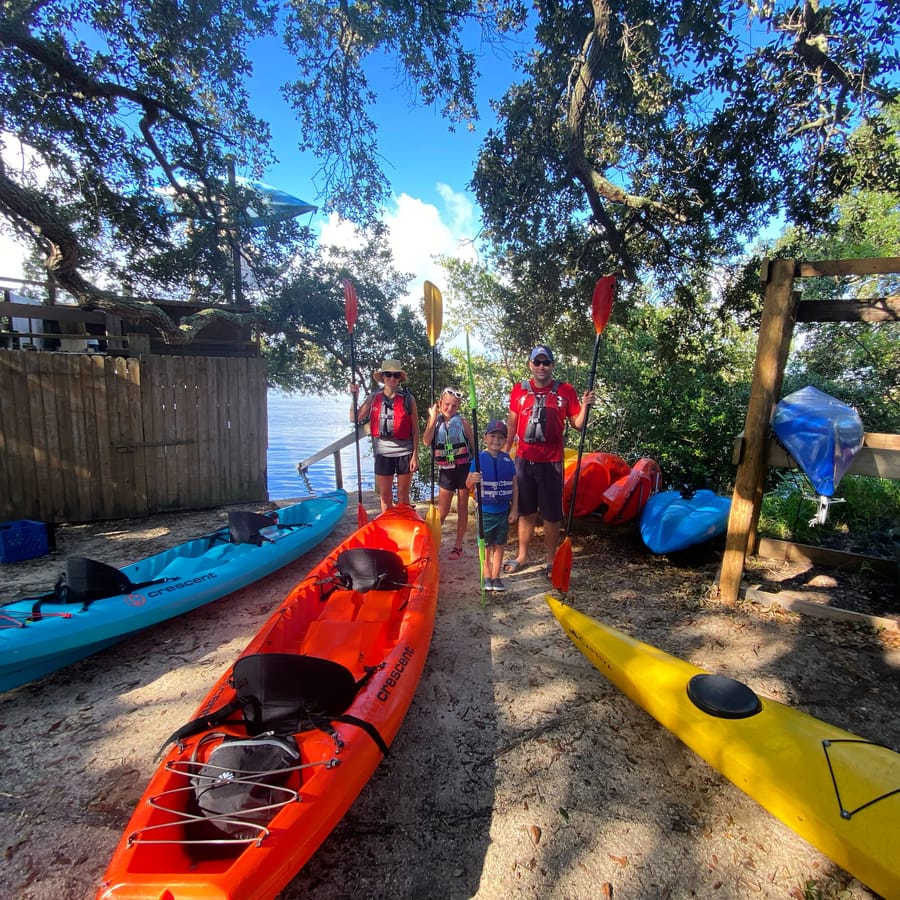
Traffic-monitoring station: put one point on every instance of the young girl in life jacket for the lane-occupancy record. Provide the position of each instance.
(394, 425)
(451, 440)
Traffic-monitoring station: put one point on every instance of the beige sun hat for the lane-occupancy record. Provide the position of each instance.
(390, 365)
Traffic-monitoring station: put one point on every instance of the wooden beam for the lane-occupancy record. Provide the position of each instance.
(775, 331)
(879, 457)
(879, 309)
(837, 267)
(794, 601)
(789, 551)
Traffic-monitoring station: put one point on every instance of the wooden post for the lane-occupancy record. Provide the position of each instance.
(775, 332)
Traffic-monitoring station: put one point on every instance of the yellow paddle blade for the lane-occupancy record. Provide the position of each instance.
(433, 521)
(434, 312)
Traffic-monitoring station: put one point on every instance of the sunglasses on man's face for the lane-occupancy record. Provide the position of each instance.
(543, 362)
(392, 374)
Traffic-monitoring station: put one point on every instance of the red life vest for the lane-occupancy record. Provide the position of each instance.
(537, 424)
(390, 419)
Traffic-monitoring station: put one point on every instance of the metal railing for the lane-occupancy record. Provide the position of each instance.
(333, 450)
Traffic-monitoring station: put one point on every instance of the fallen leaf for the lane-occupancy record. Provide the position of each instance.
(535, 833)
(621, 860)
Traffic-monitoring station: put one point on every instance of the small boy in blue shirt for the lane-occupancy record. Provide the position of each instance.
(499, 500)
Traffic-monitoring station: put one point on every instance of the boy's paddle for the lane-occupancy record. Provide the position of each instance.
(350, 310)
(473, 403)
(434, 305)
(601, 307)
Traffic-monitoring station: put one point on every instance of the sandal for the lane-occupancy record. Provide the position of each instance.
(548, 571)
(512, 566)
(456, 553)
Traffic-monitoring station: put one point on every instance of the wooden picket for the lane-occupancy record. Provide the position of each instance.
(88, 437)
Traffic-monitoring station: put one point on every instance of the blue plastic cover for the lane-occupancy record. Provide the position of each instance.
(821, 433)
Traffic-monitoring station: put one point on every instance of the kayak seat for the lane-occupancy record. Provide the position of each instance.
(279, 691)
(723, 697)
(366, 569)
(285, 693)
(85, 580)
(371, 569)
(246, 527)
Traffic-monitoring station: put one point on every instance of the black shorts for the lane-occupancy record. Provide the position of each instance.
(454, 479)
(392, 465)
(540, 487)
(496, 528)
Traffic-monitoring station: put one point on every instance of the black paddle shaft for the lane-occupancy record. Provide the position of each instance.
(584, 424)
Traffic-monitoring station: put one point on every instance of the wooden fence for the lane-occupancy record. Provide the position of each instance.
(86, 437)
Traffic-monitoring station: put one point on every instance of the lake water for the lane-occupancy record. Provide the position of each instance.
(300, 426)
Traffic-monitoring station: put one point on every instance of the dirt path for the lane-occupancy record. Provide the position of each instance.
(519, 771)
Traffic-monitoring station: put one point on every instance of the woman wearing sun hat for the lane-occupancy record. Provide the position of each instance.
(394, 424)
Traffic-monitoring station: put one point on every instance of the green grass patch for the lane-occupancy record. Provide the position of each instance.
(865, 522)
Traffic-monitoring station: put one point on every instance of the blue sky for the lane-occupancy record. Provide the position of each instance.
(431, 210)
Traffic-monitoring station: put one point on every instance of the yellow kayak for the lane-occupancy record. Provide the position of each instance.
(835, 789)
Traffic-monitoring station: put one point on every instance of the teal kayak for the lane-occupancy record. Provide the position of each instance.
(835, 789)
(95, 605)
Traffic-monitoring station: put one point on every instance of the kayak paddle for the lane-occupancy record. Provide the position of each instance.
(473, 403)
(350, 310)
(601, 307)
(434, 305)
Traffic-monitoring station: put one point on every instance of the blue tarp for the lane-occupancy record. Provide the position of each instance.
(821, 433)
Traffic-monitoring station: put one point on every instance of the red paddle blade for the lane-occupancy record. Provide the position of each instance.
(601, 304)
(562, 567)
(362, 517)
(350, 303)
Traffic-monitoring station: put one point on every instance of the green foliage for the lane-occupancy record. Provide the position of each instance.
(654, 140)
(860, 524)
(107, 100)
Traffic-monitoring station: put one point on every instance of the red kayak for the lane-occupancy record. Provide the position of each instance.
(288, 737)
(625, 498)
(598, 471)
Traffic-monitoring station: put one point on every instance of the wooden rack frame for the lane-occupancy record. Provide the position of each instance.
(783, 307)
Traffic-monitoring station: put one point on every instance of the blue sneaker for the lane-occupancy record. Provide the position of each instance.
(499, 586)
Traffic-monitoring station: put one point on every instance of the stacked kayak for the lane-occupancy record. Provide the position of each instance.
(676, 520)
(95, 605)
(823, 435)
(626, 497)
(288, 737)
(598, 471)
(839, 792)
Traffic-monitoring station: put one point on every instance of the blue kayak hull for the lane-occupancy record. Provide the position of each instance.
(821, 433)
(671, 522)
(197, 572)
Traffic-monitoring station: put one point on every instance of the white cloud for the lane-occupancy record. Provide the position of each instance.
(419, 232)
(12, 255)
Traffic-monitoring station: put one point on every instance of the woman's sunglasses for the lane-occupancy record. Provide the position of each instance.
(452, 392)
(392, 374)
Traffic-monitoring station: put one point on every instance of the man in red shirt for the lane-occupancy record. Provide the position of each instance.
(538, 412)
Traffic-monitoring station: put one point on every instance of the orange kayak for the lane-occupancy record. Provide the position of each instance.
(288, 737)
(625, 498)
(598, 471)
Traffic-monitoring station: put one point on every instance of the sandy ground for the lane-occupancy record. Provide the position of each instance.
(519, 771)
